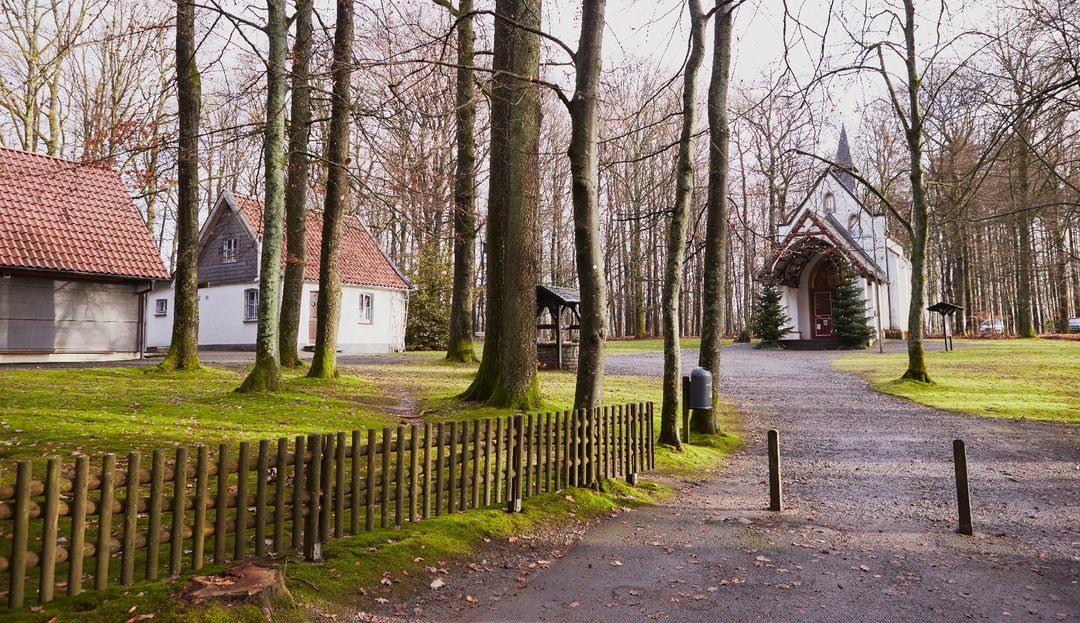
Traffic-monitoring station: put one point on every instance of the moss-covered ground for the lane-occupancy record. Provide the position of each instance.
(1019, 379)
(63, 411)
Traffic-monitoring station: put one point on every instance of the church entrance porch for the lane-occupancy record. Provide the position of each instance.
(823, 280)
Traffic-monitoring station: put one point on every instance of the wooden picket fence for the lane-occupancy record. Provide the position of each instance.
(296, 494)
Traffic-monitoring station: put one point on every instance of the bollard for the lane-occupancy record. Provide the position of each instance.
(686, 412)
(963, 494)
(776, 502)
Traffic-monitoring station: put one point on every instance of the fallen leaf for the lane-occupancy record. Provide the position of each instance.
(437, 583)
(616, 563)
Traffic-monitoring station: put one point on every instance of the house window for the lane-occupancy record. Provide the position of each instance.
(228, 250)
(829, 203)
(366, 306)
(251, 305)
(161, 307)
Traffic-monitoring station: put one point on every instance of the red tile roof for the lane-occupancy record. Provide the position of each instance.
(67, 216)
(362, 262)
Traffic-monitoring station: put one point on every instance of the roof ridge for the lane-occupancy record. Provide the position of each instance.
(75, 163)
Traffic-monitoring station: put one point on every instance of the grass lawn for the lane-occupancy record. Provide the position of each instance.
(1022, 379)
(648, 345)
(54, 411)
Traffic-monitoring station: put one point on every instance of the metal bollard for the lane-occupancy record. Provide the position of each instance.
(776, 502)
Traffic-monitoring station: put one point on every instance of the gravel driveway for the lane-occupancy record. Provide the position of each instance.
(868, 533)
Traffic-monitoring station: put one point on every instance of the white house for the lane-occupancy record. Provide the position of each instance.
(374, 293)
(831, 224)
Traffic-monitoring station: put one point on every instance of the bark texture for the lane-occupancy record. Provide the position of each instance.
(460, 345)
(184, 348)
(507, 372)
(920, 221)
(676, 243)
(584, 168)
(324, 363)
(292, 291)
(714, 288)
(518, 386)
(265, 376)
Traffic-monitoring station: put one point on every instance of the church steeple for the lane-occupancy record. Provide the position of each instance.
(843, 159)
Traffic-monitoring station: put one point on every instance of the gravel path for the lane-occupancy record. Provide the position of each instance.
(867, 534)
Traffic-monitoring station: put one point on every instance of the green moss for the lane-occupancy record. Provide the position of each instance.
(1020, 379)
(357, 565)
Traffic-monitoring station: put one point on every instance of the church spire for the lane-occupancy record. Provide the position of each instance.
(844, 162)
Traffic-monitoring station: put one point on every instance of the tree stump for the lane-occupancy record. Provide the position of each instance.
(243, 584)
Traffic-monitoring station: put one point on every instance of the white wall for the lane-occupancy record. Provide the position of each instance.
(222, 324)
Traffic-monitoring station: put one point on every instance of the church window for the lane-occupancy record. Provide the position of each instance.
(829, 203)
(854, 225)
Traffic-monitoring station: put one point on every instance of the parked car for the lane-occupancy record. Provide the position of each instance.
(1074, 325)
(992, 326)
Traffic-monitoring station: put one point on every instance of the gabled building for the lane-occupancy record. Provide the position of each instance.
(832, 227)
(76, 262)
(374, 300)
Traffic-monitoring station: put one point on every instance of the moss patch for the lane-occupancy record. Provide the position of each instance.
(1019, 379)
(355, 567)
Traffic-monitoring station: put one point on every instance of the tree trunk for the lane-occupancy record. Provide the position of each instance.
(324, 363)
(507, 373)
(266, 375)
(518, 386)
(292, 292)
(1024, 257)
(584, 168)
(460, 344)
(676, 247)
(184, 349)
(715, 296)
(920, 220)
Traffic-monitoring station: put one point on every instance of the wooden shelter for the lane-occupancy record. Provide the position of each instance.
(561, 351)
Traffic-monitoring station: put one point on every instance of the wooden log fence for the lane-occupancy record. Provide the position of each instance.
(190, 507)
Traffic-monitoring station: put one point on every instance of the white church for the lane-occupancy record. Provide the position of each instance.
(832, 224)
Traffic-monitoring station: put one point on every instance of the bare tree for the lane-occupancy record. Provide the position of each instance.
(184, 349)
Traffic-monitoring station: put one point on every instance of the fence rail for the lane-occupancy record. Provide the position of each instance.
(86, 526)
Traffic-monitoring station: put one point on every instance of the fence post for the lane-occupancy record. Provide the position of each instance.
(78, 525)
(312, 545)
(487, 461)
(221, 504)
(399, 477)
(299, 488)
(153, 530)
(476, 454)
(963, 494)
(498, 494)
(631, 447)
(105, 512)
(262, 465)
(242, 471)
(176, 535)
(326, 487)
(339, 487)
(439, 469)
(369, 484)
(384, 479)
(20, 536)
(354, 497)
(50, 513)
(515, 444)
(776, 501)
(427, 470)
(414, 468)
(198, 528)
(279, 495)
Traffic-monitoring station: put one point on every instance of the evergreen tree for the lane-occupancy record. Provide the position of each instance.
(850, 323)
(770, 319)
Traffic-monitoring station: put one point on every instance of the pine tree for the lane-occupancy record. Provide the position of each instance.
(770, 319)
(850, 323)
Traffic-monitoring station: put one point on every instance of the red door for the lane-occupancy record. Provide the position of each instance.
(313, 317)
(822, 313)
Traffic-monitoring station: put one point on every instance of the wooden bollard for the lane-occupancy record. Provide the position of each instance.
(686, 412)
(776, 500)
(963, 494)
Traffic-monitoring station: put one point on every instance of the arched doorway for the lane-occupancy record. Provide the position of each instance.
(823, 280)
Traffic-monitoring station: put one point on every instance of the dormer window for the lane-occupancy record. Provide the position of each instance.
(228, 250)
(829, 203)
